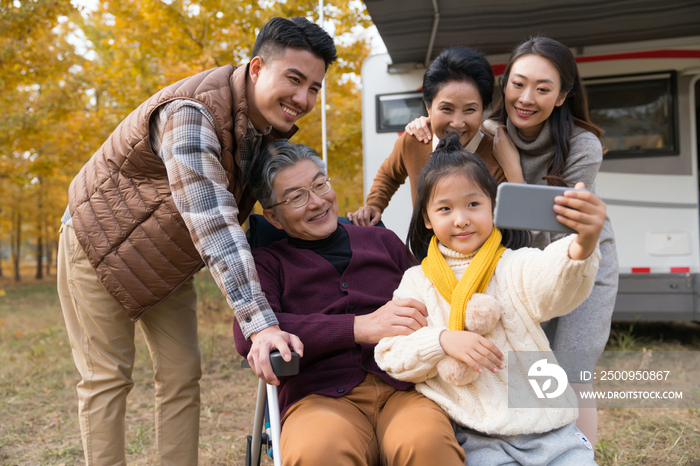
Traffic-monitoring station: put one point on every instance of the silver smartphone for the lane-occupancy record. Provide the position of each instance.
(529, 207)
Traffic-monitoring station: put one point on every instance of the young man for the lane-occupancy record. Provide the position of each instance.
(164, 196)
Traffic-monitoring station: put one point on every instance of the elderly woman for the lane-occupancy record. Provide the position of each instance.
(332, 285)
(457, 87)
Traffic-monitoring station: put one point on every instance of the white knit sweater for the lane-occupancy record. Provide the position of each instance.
(531, 286)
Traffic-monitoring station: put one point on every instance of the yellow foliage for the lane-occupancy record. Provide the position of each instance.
(62, 97)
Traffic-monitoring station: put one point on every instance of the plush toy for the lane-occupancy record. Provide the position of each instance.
(483, 312)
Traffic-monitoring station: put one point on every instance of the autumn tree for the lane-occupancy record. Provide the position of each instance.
(61, 105)
(142, 46)
(39, 92)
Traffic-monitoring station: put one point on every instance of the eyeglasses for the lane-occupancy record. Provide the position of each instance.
(299, 197)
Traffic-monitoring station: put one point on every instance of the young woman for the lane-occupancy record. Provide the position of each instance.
(457, 87)
(543, 135)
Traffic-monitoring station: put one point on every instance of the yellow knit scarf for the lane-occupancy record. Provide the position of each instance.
(475, 279)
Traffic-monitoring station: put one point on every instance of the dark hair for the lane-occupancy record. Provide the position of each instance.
(459, 64)
(279, 34)
(574, 110)
(449, 159)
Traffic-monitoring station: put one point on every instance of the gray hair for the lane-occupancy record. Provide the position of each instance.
(277, 157)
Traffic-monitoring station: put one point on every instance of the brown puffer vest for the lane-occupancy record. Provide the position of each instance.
(121, 205)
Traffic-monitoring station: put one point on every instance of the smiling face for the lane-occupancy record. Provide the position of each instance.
(315, 220)
(531, 93)
(457, 107)
(283, 90)
(460, 214)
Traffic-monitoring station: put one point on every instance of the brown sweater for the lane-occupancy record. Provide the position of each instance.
(408, 159)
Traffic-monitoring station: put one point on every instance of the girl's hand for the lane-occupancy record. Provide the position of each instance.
(473, 349)
(365, 216)
(420, 129)
(507, 156)
(584, 212)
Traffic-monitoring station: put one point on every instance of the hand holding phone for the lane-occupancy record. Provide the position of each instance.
(528, 207)
(548, 208)
(584, 212)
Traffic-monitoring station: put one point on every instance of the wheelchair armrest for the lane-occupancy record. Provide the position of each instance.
(280, 367)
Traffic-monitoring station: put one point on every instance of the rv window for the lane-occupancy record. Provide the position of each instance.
(638, 114)
(395, 111)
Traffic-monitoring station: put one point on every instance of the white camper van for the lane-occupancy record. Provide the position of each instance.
(646, 96)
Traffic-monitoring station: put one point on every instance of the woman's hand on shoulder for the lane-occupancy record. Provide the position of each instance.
(584, 212)
(420, 129)
(365, 216)
(507, 156)
(473, 349)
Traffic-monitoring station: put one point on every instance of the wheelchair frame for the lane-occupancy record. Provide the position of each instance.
(267, 403)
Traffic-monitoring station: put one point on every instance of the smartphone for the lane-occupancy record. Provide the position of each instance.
(529, 207)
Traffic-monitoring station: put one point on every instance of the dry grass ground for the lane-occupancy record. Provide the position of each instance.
(650, 437)
(38, 408)
(38, 404)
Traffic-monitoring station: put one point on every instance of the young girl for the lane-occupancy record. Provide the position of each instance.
(452, 232)
(543, 135)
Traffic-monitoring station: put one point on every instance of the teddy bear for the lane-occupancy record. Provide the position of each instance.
(483, 312)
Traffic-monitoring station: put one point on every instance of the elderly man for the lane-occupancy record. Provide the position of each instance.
(163, 196)
(332, 285)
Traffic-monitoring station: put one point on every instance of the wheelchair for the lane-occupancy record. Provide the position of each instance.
(267, 410)
(260, 234)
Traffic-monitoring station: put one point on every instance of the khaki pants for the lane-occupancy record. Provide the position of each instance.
(102, 341)
(373, 424)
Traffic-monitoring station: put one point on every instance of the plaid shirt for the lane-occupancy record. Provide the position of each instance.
(183, 135)
(250, 145)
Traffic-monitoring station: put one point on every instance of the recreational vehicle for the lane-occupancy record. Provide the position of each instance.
(641, 66)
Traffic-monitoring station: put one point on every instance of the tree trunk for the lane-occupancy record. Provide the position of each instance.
(39, 258)
(49, 249)
(1, 251)
(17, 243)
(39, 237)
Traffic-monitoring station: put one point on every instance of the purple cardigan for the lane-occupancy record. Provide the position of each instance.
(313, 302)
